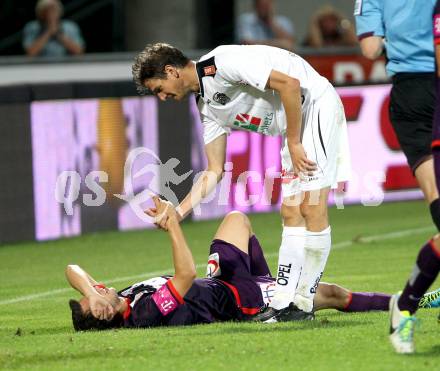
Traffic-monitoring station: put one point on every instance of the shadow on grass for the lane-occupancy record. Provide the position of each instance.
(433, 352)
(252, 327)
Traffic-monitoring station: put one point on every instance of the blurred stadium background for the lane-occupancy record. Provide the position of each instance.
(82, 113)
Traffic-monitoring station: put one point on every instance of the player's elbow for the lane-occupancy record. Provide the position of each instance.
(188, 275)
(292, 84)
(70, 268)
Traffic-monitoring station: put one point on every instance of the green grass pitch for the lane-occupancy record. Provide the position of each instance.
(36, 330)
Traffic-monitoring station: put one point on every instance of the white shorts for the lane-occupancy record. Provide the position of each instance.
(325, 141)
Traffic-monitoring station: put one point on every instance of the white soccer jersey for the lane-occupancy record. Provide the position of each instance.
(233, 90)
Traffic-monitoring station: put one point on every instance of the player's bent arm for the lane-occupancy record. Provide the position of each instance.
(216, 156)
(372, 47)
(184, 267)
(289, 90)
(290, 93)
(80, 280)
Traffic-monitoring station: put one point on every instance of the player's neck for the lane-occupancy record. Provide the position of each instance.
(122, 306)
(190, 74)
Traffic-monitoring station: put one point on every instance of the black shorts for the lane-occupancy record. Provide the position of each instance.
(412, 113)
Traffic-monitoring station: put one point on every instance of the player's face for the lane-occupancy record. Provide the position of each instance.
(169, 88)
(109, 294)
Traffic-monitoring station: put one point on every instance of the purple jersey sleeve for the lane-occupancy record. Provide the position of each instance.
(151, 310)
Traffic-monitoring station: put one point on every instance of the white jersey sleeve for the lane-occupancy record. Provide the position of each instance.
(247, 68)
(212, 130)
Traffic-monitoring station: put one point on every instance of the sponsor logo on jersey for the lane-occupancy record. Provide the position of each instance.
(245, 121)
(209, 70)
(221, 98)
(266, 123)
(267, 291)
(213, 267)
(164, 300)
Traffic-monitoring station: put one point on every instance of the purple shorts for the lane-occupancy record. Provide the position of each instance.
(247, 275)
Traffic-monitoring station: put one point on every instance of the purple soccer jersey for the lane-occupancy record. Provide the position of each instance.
(238, 285)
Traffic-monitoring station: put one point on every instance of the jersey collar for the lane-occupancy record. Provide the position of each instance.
(205, 68)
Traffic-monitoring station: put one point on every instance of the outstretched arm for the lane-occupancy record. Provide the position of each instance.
(184, 267)
(216, 156)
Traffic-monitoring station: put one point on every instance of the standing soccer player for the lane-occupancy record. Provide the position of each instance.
(272, 92)
(403, 307)
(403, 30)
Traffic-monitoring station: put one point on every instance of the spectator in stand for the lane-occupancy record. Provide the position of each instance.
(49, 35)
(262, 26)
(328, 27)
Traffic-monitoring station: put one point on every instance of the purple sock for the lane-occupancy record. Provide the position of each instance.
(366, 301)
(423, 275)
(259, 265)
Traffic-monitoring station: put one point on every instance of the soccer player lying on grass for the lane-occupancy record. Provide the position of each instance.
(238, 285)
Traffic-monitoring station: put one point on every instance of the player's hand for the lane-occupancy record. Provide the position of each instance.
(300, 161)
(162, 213)
(100, 307)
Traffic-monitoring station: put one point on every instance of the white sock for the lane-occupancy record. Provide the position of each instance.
(317, 248)
(290, 261)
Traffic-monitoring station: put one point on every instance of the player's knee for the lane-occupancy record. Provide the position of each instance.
(291, 215)
(313, 212)
(237, 217)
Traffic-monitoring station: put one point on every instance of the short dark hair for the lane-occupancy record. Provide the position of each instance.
(150, 63)
(84, 322)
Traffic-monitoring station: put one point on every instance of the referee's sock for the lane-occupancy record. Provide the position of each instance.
(434, 207)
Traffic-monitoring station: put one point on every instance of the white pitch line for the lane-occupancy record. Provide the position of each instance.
(339, 245)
